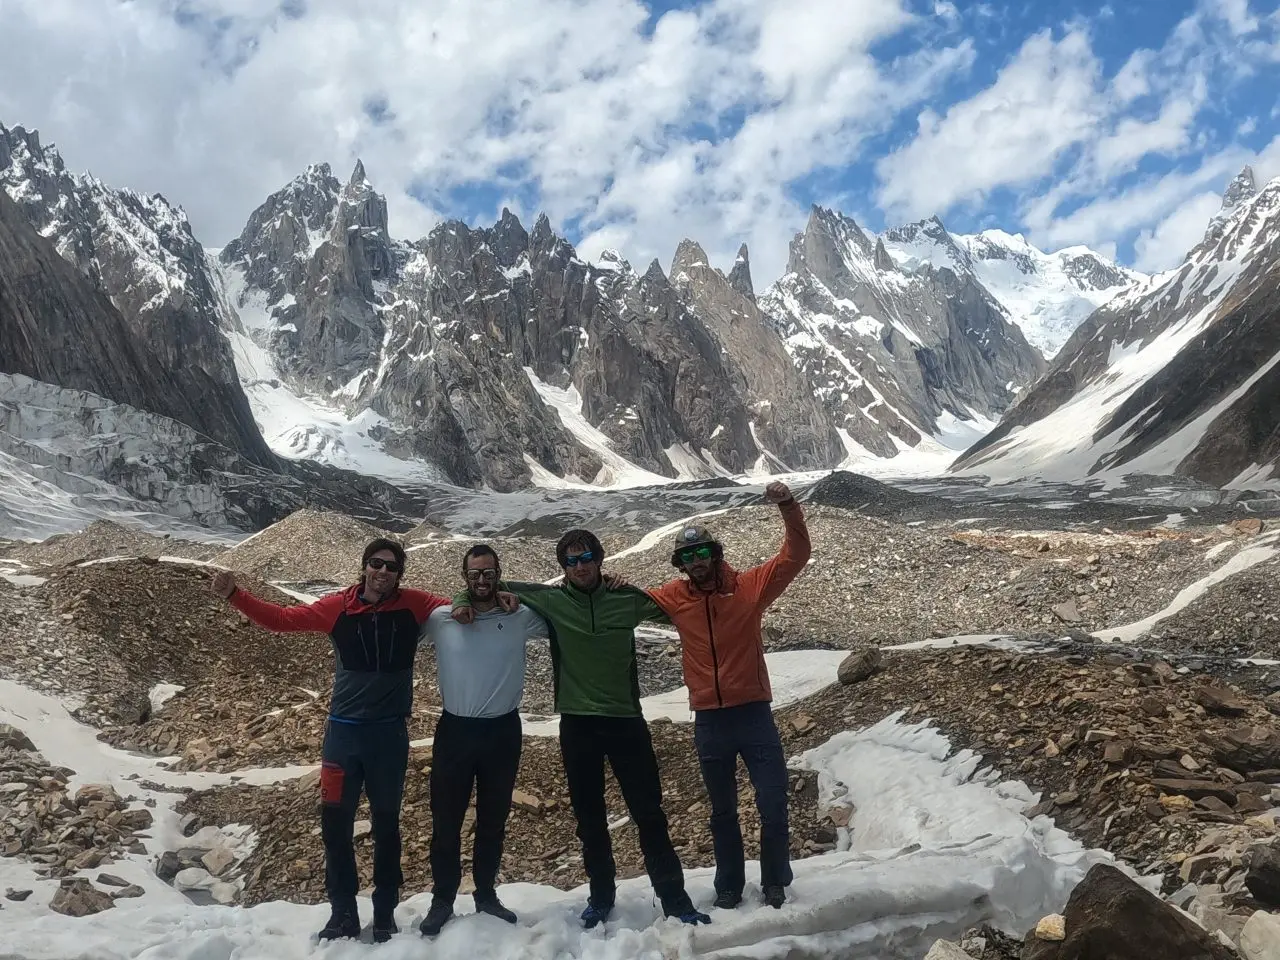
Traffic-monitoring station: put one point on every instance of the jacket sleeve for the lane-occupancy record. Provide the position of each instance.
(644, 606)
(526, 591)
(661, 598)
(318, 617)
(769, 579)
(535, 627)
(422, 603)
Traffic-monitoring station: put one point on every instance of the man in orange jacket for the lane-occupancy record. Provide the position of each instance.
(717, 611)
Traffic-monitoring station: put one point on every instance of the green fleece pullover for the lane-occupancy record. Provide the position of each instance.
(593, 643)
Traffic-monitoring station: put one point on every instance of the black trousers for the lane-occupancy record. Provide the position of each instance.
(479, 752)
(721, 736)
(371, 757)
(585, 743)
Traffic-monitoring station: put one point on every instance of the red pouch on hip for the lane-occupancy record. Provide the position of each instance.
(331, 777)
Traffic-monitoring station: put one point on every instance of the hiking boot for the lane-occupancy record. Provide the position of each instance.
(775, 896)
(491, 905)
(727, 900)
(384, 927)
(343, 922)
(440, 913)
(596, 914)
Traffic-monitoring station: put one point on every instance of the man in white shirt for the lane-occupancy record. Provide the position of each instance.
(481, 668)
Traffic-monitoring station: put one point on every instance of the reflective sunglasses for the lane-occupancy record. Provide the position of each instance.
(573, 559)
(690, 554)
(482, 574)
(377, 563)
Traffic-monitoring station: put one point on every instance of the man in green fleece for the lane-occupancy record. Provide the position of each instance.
(597, 694)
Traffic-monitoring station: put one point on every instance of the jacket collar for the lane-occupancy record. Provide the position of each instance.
(353, 602)
(726, 582)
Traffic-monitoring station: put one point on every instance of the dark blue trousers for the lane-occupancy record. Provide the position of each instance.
(371, 757)
(721, 736)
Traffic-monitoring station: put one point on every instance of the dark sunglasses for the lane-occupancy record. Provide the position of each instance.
(482, 574)
(377, 563)
(690, 554)
(573, 559)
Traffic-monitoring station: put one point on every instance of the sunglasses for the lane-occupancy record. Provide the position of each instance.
(482, 574)
(573, 559)
(704, 552)
(377, 563)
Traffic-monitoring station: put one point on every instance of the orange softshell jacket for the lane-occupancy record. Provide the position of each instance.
(722, 650)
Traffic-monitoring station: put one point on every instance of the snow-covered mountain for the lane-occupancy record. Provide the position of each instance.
(139, 252)
(899, 342)
(1178, 375)
(1048, 295)
(497, 356)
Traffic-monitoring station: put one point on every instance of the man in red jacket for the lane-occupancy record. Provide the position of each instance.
(374, 627)
(717, 611)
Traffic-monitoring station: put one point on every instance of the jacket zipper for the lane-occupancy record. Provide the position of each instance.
(377, 645)
(715, 661)
(591, 604)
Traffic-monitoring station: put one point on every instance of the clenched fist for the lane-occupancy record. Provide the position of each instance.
(777, 492)
(223, 583)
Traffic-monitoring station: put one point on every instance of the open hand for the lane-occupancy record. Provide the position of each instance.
(463, 615)
(223, 583)
(508, 601)
(777, 492)
(615, 581)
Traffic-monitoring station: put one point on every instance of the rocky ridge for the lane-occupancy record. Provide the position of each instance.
(1115, 402)
(138, 255)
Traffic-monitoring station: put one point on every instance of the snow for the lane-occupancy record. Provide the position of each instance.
(1046, 301)
(1061, 445)
(934, 845)
(162, 693)
(1262, 549)
(300, 427)
(616, 471)
(1165, 457)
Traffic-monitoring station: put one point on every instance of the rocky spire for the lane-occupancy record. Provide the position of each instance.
(740, 275)
(1239, 191)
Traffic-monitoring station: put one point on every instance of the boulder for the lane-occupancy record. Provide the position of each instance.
(77, 897)
(1246, 750)
(168, 865)
(1109, 917)
(946, 950)
(1220, 700)
(859, 665)
(129, 892)
(12, 737)
(1263, 878)
(1260, 938)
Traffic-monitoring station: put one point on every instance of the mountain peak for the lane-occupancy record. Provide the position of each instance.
(1243, 188)
(740, 275)
(1239, 192)
(358, 177)
(689, 254)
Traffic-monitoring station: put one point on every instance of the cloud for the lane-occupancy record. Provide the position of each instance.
(634, 128)
(1043, 102)
(1165, 244)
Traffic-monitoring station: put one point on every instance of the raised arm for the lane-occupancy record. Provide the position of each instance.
(318, 617)
(770, 578)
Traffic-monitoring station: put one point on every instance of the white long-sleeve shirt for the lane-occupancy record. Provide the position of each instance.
(481, 664)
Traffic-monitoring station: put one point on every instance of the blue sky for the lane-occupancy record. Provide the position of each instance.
(634, 125)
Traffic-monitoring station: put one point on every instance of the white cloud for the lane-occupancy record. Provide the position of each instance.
(1042, 103)
(1168, 242)
(577, 104)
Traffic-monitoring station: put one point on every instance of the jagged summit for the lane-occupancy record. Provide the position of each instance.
(1239, 191)
(740, 275)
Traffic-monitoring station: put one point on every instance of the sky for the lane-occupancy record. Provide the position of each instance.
(634, 125)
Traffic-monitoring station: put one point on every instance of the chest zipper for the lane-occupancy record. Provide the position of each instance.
(715, 661)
